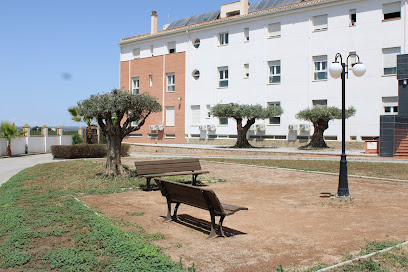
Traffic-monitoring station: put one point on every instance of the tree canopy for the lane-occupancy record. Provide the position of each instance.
(241, 112)
(320, 117)
(115, 111)
(9, 131)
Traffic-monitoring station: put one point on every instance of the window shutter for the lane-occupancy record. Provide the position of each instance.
(320, 22)
(274, 30)
(390, 57)
(195, 115)
(170, 116)
(392, 7)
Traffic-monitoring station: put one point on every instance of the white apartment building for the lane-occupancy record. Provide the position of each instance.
(270, 52)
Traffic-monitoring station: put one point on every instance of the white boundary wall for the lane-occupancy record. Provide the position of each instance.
(35, 144)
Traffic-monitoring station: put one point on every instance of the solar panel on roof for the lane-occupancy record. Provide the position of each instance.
(205, 17)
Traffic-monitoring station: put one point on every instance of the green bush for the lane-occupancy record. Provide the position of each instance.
(77, 139)
(84, 151)
(124, 150)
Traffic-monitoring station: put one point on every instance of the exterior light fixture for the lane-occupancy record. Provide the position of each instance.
(339, 69)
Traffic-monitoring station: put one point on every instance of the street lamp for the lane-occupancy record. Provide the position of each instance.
(336, 70)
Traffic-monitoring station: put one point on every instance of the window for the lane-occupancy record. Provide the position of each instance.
(208, 115)
(135, 85)
(320, 68)
(171, 87)
(246, 34)
(223, 77)
(274, 120)
(274, 30)
(320, 23)
(170, 136)
(274, 72)
(390, 60)
(195, 115)
(151, 80)
(352, 59)
(152, 135)
(246, 70)
(196, 74)
(233, 13)
(152, 50)
(136, 53)
(136, 135)
(223, 121)
(353, 17)
(223, 38)
(135, 123)
(196, 43)
(170, 116)
(390, 105)
(319, 103)
(171, 46)
(392, 10)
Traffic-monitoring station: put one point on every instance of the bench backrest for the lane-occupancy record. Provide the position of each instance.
(166, 166)
(190, 195)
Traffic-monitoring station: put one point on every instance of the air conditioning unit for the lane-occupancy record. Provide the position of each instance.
(160, 127)
(293, 127)
(211, 127)
(203, 127)
(260, 127)
(153, 127)
(305, 127)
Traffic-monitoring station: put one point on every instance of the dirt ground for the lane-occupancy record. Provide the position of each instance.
(290, 221)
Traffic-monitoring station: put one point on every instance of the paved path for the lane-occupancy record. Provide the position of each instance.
(11, 166)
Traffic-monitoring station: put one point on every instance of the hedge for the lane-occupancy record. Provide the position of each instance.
(84, 151)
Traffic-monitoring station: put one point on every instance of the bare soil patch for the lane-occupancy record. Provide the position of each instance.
(291, 221)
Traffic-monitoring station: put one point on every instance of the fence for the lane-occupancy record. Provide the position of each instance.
(36, 143)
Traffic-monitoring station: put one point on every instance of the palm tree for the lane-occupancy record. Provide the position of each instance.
(9, 131)
(77, 116)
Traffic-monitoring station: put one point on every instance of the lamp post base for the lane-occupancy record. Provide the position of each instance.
(343, 189)
(341, 200)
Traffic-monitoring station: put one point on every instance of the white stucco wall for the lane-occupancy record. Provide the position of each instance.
(295, 49)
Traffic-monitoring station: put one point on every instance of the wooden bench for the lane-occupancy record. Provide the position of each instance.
(179, 193)
(161, 168)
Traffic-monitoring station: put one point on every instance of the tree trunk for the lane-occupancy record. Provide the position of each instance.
(317, 139)
(89, 135)
(113, 162)
(8, 150)
(242, 141)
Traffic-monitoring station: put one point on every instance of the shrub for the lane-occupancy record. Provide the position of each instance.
(84, 151)
(77, 139)
(78, 151)
(124, 150)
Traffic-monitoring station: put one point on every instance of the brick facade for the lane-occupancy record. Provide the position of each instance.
(158, 67)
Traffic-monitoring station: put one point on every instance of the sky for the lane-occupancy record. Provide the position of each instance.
(54, 53)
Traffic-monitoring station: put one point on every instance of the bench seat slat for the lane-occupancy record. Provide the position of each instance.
(163, 169)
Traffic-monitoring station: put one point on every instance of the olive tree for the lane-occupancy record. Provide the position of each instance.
(115, 112)
(241, 113)
(320, 118)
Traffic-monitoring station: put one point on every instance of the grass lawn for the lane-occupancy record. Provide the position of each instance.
(43, 227)
(368, 169)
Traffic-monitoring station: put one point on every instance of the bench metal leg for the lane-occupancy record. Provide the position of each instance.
(220, 226)
(148, 188)
(168, 217)
(213, 233)
(175, 217)
(194, 180)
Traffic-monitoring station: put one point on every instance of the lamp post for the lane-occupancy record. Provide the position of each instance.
(340, 69)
